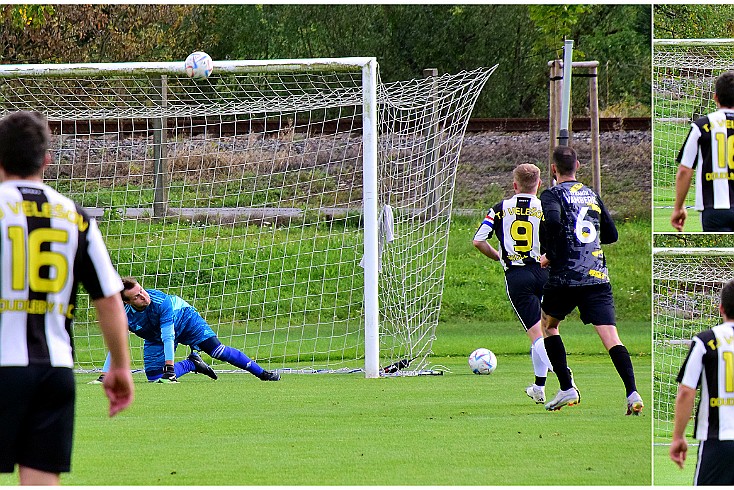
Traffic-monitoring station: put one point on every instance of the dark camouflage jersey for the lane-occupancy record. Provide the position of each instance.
(576, 224)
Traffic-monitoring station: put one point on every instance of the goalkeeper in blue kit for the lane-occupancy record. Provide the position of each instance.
(164, 321)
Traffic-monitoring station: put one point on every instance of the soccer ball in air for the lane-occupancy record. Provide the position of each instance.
(482, 361)
(198, 65)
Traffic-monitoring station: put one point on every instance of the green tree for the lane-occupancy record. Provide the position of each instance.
(684, 21)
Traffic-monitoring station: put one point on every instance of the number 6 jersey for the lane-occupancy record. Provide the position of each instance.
(48, 245)
(576, 224)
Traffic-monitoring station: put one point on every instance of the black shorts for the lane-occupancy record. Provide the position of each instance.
(714, 465)
(595, 303)
(36, 418)
(721, 220)
(524, 286)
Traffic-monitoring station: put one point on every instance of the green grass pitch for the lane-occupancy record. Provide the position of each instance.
(455, 429)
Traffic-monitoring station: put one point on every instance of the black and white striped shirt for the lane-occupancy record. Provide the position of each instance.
(709, 149)
(48, 245)
(710, 364)
(516, 222)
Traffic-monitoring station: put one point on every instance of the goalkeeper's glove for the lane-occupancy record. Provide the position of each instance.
(169, 375)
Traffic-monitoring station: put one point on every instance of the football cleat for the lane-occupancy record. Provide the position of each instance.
(200, 366)
(537, 393)
(634, 404)
(269, 376)
(168, 380)
(573, 383)
(568, 397)
(97, 381)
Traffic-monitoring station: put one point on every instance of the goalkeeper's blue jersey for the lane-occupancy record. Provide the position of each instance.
(167, 318)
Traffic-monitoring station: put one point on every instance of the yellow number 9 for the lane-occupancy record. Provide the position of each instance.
(522, 232)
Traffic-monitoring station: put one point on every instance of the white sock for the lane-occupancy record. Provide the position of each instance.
(541, 363)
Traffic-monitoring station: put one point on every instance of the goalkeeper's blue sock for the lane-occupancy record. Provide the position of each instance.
(180, 368)
(236, 358)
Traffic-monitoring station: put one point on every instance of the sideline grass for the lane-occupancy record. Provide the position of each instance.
(666, 473)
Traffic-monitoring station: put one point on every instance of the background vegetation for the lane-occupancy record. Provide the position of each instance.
(688, 21)
(404, 38)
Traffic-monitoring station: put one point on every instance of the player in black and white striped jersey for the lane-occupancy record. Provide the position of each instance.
(709, 151)
(48, 245)
(516, 223)
(710, 365)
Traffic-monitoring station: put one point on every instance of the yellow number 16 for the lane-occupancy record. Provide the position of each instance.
(30, 267)
(725, 150)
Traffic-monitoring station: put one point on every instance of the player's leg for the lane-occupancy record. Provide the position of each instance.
(524, 287)
(221, 352)
(31, 476)
(557, 303)
(154, 360)
(597, 307)
(45, 450)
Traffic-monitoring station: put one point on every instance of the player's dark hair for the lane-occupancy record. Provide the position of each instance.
(128, 283)
(725, 89)
(527, 177)
(24, 143)
(565, 159)
(727, 299)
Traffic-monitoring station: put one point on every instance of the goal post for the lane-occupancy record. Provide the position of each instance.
(684, 73)
(302, 206)
(687, 286)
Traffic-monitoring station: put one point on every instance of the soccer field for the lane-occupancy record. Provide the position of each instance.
(455, 429)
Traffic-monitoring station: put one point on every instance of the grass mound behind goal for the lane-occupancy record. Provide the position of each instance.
(302, 206)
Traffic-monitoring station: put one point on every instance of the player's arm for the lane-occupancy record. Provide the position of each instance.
(167, 329)
(551, 228)
(607, 229)
(118, 382)
(484, 233)
(95, 271)
(682, 183)
(687, 158)
(683, 409)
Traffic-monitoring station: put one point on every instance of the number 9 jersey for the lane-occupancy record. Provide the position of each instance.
(576, 224)
(48, 245)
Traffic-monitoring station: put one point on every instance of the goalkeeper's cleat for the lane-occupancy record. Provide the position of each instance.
(634, 404)
(169, 380)
(200, 366)
(97, 381)
(537, 393)
(568, 397)
(269, 376)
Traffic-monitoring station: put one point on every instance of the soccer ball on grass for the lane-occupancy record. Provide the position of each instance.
(198, 65)
(482, 361)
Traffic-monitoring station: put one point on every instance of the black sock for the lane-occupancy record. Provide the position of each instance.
(623, 364)
(540, 381)
(557, 355)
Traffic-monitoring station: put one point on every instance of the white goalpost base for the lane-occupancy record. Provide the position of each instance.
(302, 206)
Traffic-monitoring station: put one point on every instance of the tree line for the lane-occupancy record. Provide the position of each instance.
(404, 38)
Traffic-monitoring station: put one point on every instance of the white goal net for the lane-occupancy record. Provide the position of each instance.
(686, 293)
(684, 72)
(248, 194)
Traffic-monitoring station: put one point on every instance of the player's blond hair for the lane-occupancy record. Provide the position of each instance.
(527, 177)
